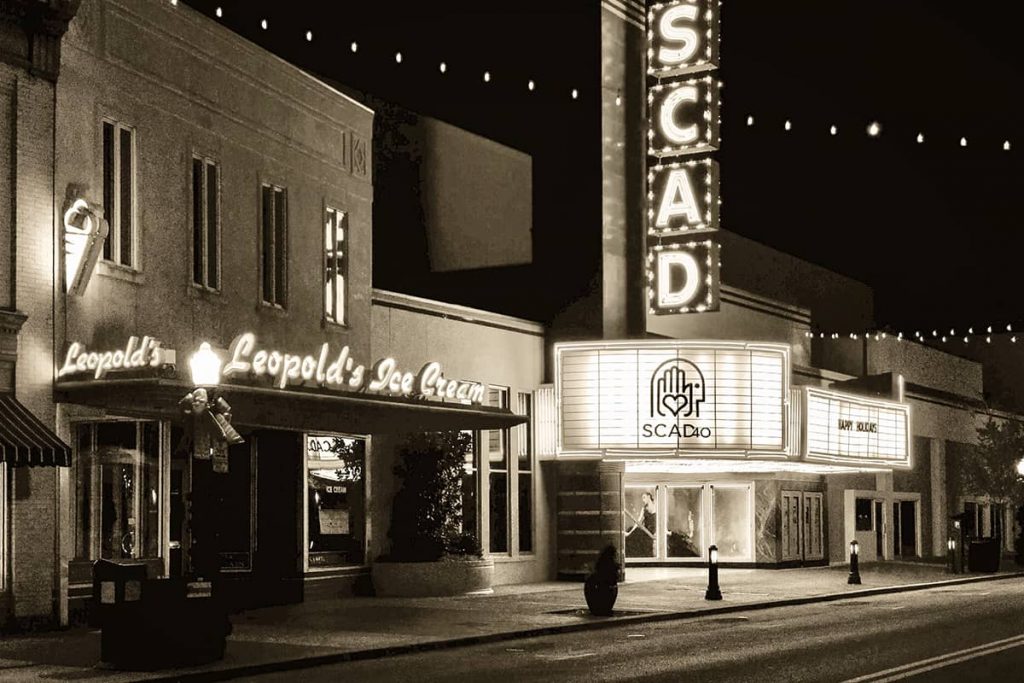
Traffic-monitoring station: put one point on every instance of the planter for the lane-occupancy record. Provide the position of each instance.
(432, 579)
(600, 597)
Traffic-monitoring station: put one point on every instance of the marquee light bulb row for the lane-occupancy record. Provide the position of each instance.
(873, 130)
(531, 85)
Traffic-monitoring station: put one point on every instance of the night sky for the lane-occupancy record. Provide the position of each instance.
(935, 228)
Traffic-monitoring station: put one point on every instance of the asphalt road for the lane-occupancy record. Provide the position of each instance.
(973, 632)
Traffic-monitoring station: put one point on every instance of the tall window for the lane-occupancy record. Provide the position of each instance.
(274, 245)
(205, 223)
(335, 265)
(118, 490)
(498, 460)
(470, 473)
(335, 500)
(119, 193)
(524, 473)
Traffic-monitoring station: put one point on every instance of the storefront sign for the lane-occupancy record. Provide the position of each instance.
(682, 277)
(722, 398)
(841, 428)
(136, 355)
(339, 371)
(84, 232)
(682, 105)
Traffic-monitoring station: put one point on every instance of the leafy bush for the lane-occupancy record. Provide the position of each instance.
(606, 568)
(426, 516)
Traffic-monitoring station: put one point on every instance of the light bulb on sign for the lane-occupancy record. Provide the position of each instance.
(989, 329)
(963, 142)
(1020, 467)
(220, 12)
(965, 340)
(1013, 339)
(1009, 328)
(833, 130)
(988, 340)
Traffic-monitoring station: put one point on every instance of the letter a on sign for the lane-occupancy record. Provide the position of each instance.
(683, 197)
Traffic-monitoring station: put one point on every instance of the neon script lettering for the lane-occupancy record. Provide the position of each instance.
(134, 355)
(341, 372)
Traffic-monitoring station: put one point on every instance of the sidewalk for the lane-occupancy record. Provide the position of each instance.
(275, 637)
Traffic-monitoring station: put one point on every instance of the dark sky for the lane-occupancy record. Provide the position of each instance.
(935, 228)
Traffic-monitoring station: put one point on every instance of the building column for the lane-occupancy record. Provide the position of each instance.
(940, 506)
(591, 498)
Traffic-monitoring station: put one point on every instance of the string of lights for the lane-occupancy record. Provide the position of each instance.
(985, 334)
(872, 130)
(443, 67)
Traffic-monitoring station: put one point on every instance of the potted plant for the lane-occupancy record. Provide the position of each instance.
(602, 587)
(431, 554)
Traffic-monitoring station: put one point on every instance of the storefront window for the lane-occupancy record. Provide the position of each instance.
(335, 500)
(118, 490)
(524, 474)
(732, 522)
(684, 522)
(641, 521)
(862, 511)
(497, 453)
(470, 521)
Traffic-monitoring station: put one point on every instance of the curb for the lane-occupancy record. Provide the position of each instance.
(612, 622)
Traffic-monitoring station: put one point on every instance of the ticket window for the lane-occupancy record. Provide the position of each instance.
(335, 496)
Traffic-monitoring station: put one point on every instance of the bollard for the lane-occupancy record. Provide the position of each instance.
(713, 592)
(854, 566)
(951, 547)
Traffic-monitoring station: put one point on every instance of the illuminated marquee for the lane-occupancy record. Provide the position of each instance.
(682, 277)
(673, 397)
(84, 232)
(682, 196)
(840, 428)
(136, 355)
(341, 372)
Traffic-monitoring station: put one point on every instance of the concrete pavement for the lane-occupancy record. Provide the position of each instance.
(317, 632)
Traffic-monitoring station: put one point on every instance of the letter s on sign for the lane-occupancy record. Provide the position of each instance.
(668, 29)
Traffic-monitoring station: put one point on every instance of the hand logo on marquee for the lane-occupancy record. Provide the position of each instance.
(672, 393)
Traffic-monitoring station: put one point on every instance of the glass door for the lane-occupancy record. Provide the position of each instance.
(641, 515)
(685, 518)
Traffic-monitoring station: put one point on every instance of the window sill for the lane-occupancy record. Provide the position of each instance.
(201, 293)
(273, 309)
(331, 325)
(119, 272)
(508, 559)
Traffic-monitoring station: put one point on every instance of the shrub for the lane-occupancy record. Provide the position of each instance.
(606, 568)
(426, 515)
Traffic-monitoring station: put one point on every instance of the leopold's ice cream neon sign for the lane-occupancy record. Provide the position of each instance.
(341, 372)
(134, 356)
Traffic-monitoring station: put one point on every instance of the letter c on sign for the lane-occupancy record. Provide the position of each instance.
(667, 260)
(681, 135)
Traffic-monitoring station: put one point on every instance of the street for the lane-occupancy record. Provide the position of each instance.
(973, 632)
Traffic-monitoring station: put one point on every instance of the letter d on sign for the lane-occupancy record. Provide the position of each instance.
(683, 277)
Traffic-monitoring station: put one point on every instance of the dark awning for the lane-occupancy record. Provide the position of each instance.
(24, 440)
(292, 409)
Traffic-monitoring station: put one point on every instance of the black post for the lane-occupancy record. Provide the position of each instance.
(951, 552)
(713, 592)
(854, 566)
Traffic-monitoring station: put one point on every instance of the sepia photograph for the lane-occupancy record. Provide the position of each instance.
(546, 340)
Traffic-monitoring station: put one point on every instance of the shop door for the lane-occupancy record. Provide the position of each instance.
(812, 531)
(879, 529)
(904, 529)
(791, 550)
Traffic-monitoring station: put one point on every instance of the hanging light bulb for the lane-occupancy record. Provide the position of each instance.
(935, 333)
(575, 93)
(1009, 327)
(398, 58)
(874, 129)
(788, 125)
(970, 330)
(220, 12)
(965, 340)
(263, 24)
(487, 77)
(309, 36)
(943, 339)
(963, 142)
(354, 47)
(750, 120)
(443, 67)
(990, 329)
(531, 86)
(1013, 339)
(988, 340)
(1006, 145)
(920, 138)
(833, 130)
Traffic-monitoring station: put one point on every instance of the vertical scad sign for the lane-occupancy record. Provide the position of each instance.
(682, 175)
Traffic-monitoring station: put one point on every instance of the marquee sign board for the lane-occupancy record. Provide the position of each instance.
(682, 277)
(855, 430)
(683, 121)
(673, 397)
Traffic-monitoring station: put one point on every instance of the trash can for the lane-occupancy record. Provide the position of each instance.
(117, 607)
(983, 555)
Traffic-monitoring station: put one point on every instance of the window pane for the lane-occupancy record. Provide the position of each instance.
(497, 439)
(525, 513)
(684, 523)
(149, 504)
(862, 513)
(212, 224)
(499, 512)
(280, 246)
(335, 504)
(268, 244)
(525, 407)
(126, 207)
(339, 266)
(329, 265)
(470, 516)
(732, 523)
(197, 221)
(108, 189)
(641, 521)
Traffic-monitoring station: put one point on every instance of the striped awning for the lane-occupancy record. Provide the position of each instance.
(24, 440)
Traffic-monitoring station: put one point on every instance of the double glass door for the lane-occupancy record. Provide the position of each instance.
(802, 528)
(667, 522)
